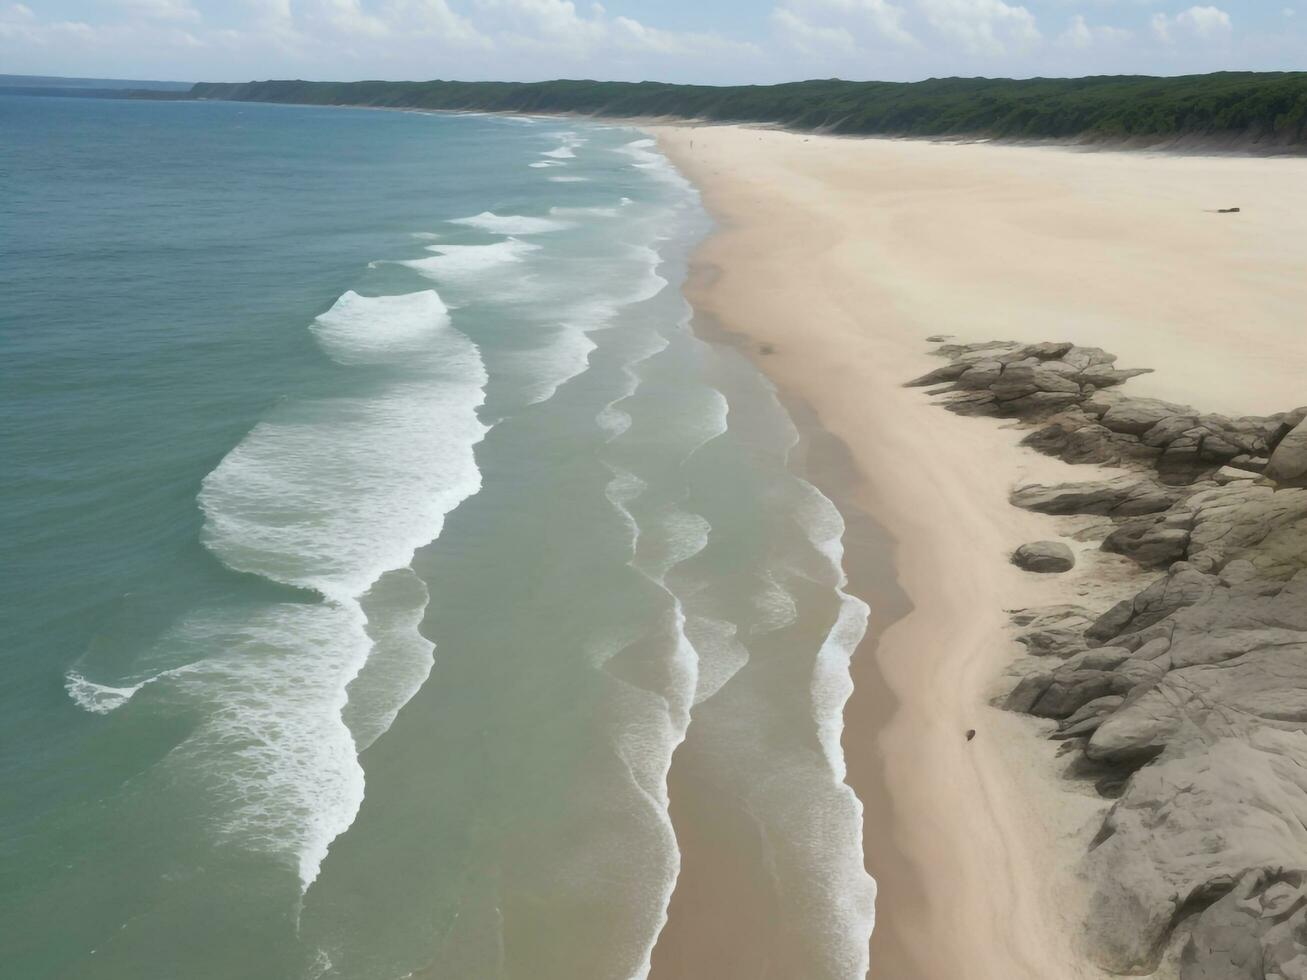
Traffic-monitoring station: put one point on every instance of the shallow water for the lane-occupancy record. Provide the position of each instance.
(378, 528)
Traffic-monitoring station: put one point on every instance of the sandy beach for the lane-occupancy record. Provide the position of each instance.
(836, 259)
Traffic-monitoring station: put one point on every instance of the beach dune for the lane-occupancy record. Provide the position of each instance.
(835, 260)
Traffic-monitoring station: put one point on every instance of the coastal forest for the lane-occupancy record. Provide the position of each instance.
(1236, 107)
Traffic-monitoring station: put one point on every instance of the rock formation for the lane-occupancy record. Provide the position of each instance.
(1044, 556)
(1187, 703)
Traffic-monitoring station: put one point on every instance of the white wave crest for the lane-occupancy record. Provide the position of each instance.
(280, 767)
(832, 686)
(594, 212)
(459, 263)
(381, 329)
(100, 699)
(545, 369)
(510, 224)
(332, 494)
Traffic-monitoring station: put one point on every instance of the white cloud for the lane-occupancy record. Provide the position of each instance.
(433, 18)
(557, 27)
(1081, 35)
(989, 27)
(885, 18)
(396, 20)
(347, 17)
(167, 10)
(552, 22)
(533, 39)
(18, 23)
(834, 26)
(632, 35)
(1078, 35)
(811, 38)
(1206, 23)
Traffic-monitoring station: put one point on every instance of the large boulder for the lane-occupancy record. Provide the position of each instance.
(1136, 416)
(1044, 557)
(1288, 465)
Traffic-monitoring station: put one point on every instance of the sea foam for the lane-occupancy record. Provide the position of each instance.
(510, 224)
(646, 157)
(464, 262)
(381, 329)
(332, 495)
(565, 354)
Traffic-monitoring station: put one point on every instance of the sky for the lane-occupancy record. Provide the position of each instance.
(703, 41)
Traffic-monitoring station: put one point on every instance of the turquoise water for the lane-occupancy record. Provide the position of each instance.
(377, 528)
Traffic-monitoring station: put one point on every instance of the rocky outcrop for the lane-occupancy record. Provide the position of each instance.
(1257, 930)
(1069, 390)
(1185, 704)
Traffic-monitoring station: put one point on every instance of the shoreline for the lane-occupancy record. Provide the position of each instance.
(886, 718)
(832, 277)
(721, 919)
(685, 948)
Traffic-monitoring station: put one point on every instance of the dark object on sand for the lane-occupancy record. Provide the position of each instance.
(971, 733)
(766, 349)
(1227, 210)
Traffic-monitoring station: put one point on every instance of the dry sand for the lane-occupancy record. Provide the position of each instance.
(842, 256)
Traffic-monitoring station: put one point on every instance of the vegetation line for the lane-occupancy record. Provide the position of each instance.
(1267, 109)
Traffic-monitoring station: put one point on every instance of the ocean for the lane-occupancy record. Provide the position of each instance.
(377, 528)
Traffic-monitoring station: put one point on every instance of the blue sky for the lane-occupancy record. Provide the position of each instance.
(711, 41)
